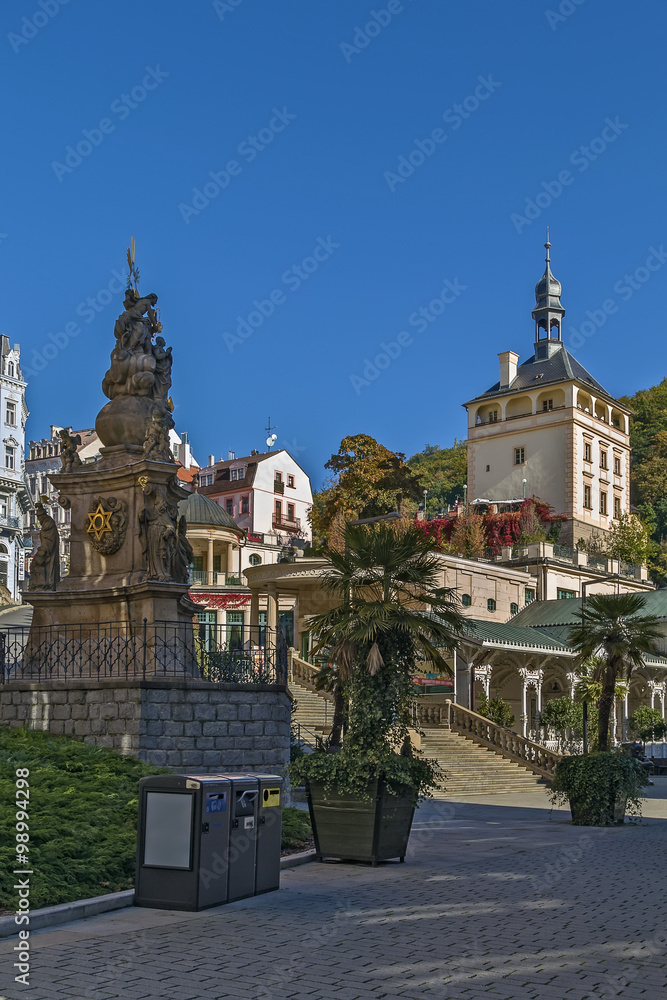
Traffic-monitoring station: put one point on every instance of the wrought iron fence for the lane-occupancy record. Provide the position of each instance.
(131, 650)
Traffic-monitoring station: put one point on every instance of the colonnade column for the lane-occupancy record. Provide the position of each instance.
(230, 558)
(524, 706)
(209, 562)
(272, 608)
(254, 616)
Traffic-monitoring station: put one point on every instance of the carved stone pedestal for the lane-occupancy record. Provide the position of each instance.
(126, 547)
(124, 606)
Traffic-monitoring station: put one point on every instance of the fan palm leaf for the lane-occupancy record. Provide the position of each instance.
(613, 629)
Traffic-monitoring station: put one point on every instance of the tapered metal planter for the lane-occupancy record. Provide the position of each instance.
(347, 828)
(612, 815)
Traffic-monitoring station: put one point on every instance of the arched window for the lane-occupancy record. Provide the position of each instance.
(466, 600)
(10, 368)
(255, 560)
(491, 604)
(514, 609)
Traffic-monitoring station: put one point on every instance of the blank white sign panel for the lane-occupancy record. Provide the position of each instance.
(168, 829)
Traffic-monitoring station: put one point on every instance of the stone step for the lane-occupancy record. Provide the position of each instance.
(470, 769)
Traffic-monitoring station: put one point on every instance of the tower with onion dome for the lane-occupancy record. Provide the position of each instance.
(548, 429)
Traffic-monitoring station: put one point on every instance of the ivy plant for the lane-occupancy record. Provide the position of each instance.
(593, 783)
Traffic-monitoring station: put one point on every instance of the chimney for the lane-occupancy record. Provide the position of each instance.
(231, 455)
(508, 363)
(211, 460)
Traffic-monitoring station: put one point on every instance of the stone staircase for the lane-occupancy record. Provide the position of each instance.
(313, 711)
(471, 769)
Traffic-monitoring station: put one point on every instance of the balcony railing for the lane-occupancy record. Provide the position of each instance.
(7, 521)
(517, 416)
(286, 524)
(202, 578)
(278, 486)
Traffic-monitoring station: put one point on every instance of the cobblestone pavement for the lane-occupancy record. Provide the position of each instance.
(497, 899)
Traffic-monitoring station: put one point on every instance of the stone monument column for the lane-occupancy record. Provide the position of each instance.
(128, 558)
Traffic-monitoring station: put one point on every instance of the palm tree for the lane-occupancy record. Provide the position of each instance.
(612, 629)
(391, 611)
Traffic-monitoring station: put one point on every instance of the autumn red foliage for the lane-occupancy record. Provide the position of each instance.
(533, 520)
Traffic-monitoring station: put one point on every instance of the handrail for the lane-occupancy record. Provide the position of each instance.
(305, 673)
(488, 734)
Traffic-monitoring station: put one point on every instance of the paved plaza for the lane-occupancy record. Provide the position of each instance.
(498, 898)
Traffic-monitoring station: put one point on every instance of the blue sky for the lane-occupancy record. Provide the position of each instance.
(301, 182)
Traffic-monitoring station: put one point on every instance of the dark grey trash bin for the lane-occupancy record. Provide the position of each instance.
(242, 835)
(269, 832)
(182, 841)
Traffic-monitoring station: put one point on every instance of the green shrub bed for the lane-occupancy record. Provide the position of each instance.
(82, 817)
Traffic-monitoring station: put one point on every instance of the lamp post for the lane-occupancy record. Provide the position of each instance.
(524, 489)
(425, 514)
(465, 497)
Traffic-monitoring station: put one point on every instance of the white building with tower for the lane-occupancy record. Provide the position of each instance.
(15, 500)
(548, 429)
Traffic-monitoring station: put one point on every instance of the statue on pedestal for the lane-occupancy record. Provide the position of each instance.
(139, 376)
(45, 566)
(157, 524)
(156, 444)
(184, 553)
(69, 456)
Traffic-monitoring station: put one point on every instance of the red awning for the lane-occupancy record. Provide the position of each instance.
(210, 599)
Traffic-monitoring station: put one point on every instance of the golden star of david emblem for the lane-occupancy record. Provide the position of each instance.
(98, 522)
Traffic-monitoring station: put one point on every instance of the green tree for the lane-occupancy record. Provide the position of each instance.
(390, 612)
(496, 710)
(649, 417)
(441, 471)
(561, 714)
(647, 723)
(468, 537)
(629, 540)
(368, 480)
(612, 629)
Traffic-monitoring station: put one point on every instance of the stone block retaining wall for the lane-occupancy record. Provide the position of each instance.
(191, 725)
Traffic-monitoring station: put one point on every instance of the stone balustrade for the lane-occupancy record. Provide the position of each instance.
(304, 673)
(476, 727)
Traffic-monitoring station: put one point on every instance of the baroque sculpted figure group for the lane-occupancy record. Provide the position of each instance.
(140, 370)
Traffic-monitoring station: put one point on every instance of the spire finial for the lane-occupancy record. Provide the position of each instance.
(547, 247)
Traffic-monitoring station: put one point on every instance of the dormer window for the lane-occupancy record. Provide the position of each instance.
(236, 474)
(10, 368)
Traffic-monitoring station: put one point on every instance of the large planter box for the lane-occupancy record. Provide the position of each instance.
(614, 814)
(352, 829)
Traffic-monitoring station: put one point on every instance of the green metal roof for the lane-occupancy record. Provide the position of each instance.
(543, 614)
(199, 509)
(510, 634)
